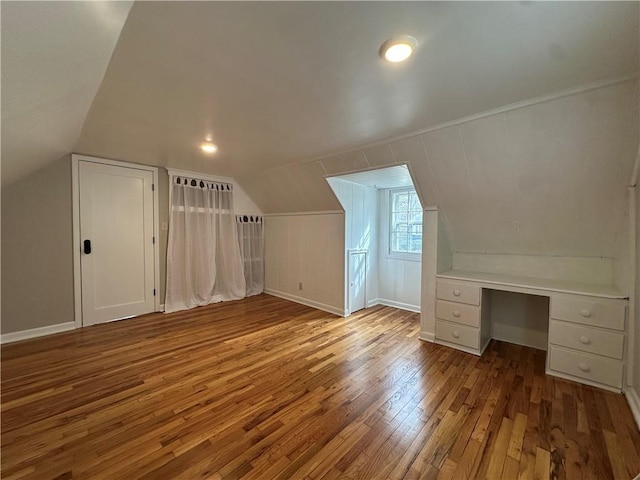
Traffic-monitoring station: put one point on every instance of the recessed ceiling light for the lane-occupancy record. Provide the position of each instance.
(208, 147)
(398, 49)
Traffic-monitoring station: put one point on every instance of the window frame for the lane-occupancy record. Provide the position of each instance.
(388, 219)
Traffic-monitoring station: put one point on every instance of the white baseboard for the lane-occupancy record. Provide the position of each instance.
(373, 302)
(36, 332)
(427, 336)
(309, 303)
(634, 402)
(536, 345)
(400, 305)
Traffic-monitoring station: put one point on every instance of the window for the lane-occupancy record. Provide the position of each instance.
(405, 229)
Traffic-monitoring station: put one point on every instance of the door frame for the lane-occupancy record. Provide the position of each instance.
(75, 196)
(357, 251)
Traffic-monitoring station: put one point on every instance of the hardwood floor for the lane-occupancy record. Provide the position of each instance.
(267, 389)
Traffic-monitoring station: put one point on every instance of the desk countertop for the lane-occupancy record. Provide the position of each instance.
(532, 283)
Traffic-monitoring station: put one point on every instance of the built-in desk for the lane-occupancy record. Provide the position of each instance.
(586, 329)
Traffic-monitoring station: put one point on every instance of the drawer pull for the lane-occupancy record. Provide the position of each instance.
(584, 367)
(456, 313)
(456, 293)
(455, 334)
(585, 340)
(585, 313)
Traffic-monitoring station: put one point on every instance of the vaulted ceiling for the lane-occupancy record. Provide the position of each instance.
(294, 91)
(54, 57)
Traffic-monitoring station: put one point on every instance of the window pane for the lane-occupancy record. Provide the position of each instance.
(399, 242)
(400, 217)
(400, 202)
(414, 203)
(405, 228)
(415, 244)
(415, 217)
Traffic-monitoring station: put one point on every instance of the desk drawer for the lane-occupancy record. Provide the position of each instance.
(458, 292)
(458, 334)
(599, 312)
(587, 339)
(458, 313)
(583, 365)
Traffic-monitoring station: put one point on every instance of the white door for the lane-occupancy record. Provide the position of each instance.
(357, 281)
(116, 242)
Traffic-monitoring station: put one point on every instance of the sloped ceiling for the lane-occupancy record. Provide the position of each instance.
(285, 87)
(54, 56)
(547, 178)
(276, 83)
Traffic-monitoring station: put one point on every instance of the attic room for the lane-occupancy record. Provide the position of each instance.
(269, 240)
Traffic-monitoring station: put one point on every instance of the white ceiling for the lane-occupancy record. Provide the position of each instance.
(294, 91)
(390, 177)
(54, 56)
(277, 83)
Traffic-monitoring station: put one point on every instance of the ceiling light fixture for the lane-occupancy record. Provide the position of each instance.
(398, 49)
(208, 147)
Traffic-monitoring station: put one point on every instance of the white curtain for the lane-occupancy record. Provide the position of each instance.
(251, 239)
(203, 256)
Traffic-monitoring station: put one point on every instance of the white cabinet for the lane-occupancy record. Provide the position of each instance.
(586, 339)
(587, 323)
(460, 292)
(458, 316)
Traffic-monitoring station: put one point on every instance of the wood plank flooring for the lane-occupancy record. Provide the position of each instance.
(268, 389)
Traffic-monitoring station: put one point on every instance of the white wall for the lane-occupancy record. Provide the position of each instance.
(544, 177)
(307, 249)
(399, 280)
(390, 281)
(432, 246)
(519, 318)
(592, 270)
(360, 204)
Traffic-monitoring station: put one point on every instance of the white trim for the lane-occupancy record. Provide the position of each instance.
(455, 346)
(36, 332)
(366, 169)
(585, 381)
(634, 403)
(200, 176)
(427, 337)
(634, 277)
(77, 274)
(357, 251)
(156, 244)
(400, 305)
(75, 199)
(291, 214)
(309, 303)
(544, 348)
(488, 113)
